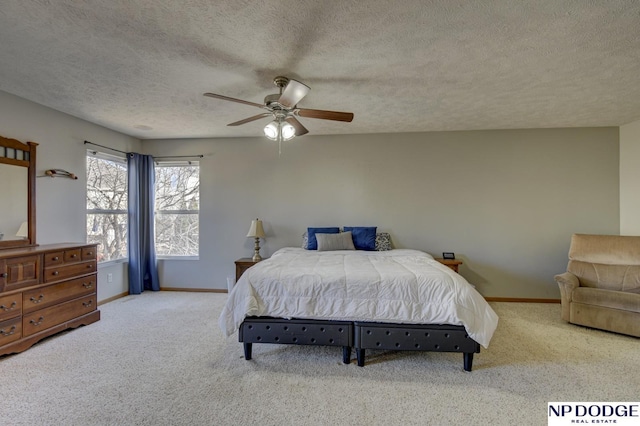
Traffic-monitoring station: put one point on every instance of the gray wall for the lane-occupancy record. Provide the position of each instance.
(630, 179)
(506, 202)
(61, 203)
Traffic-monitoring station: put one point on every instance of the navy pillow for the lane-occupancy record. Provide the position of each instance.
(364, 237)
(312, 242)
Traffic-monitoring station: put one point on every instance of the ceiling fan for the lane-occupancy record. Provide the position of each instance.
(283, 108)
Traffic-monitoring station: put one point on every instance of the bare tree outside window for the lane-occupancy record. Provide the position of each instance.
(177, 208)
(107, 205)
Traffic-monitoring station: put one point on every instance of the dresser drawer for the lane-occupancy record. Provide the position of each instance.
(71, 256)
(10, 330)
(48, 317)
(56, 293)
(89, 253)
(10, 306)
(61, 272)
(54, 258)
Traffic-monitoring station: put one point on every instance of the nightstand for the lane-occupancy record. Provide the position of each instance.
(451, 263)
(242, 265)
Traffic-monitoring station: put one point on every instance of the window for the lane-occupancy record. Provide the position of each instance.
(107, 205)
(177, 208)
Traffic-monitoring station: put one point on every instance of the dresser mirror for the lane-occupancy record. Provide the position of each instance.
(17, 193)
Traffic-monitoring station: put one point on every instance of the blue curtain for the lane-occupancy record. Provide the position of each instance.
(143, 265)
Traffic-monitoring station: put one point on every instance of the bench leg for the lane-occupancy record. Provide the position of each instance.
(360, 357)
(247, 351)
(468, 360)
(346, 354)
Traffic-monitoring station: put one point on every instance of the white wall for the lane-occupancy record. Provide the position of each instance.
(61, 202)
(506, 201)
(630, 179)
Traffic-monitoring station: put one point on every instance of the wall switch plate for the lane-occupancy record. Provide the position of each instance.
(109, 278)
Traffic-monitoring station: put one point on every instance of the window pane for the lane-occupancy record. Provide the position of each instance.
(109, 231)
(178, 187)
(106, 184)
(177, 234)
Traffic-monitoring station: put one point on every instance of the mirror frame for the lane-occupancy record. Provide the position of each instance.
(29, 150)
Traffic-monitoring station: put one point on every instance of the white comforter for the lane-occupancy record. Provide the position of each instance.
(398, 286)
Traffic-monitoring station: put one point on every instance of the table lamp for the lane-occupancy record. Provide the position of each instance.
(256, 231)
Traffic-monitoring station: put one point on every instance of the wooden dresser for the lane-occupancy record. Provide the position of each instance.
(44, 290)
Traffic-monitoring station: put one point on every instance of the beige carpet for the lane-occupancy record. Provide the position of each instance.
(160, 359)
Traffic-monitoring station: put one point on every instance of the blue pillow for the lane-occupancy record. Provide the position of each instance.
(312, 243)
(364, 237)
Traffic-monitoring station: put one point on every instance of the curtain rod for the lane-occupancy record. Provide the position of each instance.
(180, 156)
(102, 146)
(166, 156)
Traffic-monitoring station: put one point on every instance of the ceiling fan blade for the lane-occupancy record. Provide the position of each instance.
(247, 120)
(293, 93)
(240, 101)
(324, 115)
(300, 129)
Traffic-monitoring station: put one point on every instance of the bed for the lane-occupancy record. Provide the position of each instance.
(397, 299)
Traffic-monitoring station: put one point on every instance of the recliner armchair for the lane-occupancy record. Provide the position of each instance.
(601, 288)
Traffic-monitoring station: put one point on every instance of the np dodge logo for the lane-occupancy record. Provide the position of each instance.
(571, 413)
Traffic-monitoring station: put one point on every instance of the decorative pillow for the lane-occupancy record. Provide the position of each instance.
(312, 243)
(364, 237)
(383, 241)
(341, 241)
(305, 240)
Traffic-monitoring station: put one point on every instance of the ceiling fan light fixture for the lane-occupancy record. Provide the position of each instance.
(279, 128)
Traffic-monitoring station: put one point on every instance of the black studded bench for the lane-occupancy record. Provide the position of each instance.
(361, 335)
(414, 337)
(296, 332)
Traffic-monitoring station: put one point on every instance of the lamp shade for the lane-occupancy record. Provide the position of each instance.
(256, 230)
(271, 130)
(23, 231)
(287, 131)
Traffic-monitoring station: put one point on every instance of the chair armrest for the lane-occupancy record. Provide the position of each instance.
(567, 283)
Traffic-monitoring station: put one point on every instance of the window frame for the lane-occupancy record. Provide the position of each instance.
(121, 159)
(176, 163)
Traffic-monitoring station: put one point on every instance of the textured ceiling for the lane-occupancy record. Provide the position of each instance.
(141, 66)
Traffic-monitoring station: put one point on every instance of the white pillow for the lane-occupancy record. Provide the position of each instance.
(340, 241)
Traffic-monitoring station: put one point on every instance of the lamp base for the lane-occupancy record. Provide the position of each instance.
(256, 251)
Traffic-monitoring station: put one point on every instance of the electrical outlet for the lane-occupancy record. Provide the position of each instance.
(109, 278)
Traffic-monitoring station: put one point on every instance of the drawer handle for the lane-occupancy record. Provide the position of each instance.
(89, 266)
(10, 307)
(73, 256)
(3, 275)
(87, 285)
(38, 300)
(34, 322)
(11, 331)
(55, 273)
(87, 304)
(55, 258)
(89, 253)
